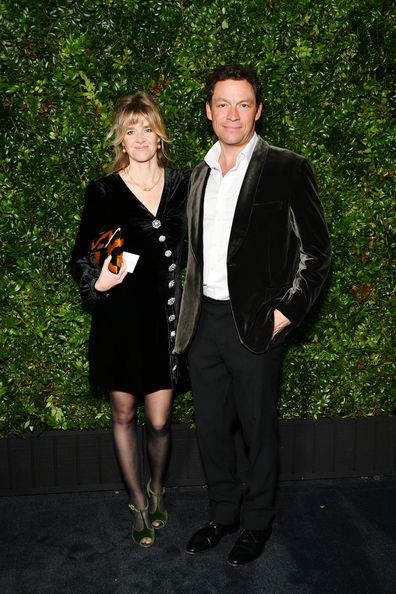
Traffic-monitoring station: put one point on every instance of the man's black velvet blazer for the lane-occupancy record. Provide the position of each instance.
(279, 249)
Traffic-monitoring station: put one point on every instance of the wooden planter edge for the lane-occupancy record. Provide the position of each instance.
(68, 461)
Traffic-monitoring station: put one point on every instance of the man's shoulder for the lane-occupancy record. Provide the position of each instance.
(281, 153)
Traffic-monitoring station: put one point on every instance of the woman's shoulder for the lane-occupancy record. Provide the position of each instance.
(181, 174)
(108, 180)
(102, 185)
(184, 171)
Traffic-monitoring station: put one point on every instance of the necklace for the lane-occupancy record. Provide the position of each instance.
(144, 188)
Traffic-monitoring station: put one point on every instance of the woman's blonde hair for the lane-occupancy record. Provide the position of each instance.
(128, 111)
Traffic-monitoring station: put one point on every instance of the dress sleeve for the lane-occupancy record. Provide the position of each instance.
(84, 270)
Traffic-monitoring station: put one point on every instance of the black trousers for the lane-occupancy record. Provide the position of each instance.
(234, 387)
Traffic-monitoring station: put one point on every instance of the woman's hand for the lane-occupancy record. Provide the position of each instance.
(107, 279)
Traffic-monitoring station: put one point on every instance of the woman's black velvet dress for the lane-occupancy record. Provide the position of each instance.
(133, 325)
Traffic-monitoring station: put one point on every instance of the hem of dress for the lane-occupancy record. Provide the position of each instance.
(136, 393)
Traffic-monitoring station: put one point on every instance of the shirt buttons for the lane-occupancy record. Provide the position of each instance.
(171, 301)
(171, 284)
(156, 223)
(173, 334)
(172, 318)
(172, 267)
(161, 238)
(168, 253)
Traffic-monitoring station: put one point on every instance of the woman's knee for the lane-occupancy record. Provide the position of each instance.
(160, 425)
(123, 418)
(123, 411)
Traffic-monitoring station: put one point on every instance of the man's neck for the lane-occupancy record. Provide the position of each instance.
(229, 154)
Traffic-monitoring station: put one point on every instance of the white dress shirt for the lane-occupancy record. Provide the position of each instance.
(221, 197)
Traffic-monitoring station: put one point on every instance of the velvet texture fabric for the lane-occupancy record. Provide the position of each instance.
(279, 251)
(134, 324)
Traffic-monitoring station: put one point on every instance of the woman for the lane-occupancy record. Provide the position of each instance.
(134, 314)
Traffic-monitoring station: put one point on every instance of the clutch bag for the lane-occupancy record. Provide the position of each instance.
(108, 243)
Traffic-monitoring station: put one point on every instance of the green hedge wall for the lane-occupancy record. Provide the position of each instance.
(326, 71)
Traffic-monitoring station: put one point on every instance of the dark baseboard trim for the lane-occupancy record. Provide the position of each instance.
(68, 461)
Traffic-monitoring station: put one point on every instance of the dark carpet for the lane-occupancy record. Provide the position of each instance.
(329, 536)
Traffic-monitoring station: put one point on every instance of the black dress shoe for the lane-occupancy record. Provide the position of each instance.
(207, 537)
(249, 546)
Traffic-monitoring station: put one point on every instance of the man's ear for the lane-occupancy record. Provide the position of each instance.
(258, 112)
(208, 110)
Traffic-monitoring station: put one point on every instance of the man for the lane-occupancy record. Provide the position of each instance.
(259, 252)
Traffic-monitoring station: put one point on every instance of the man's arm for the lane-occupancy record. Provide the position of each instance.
(308, 224)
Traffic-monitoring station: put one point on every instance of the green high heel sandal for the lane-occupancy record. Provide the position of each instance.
(157, 517)
(145, 532)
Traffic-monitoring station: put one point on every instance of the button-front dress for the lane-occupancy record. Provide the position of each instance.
(134, 324)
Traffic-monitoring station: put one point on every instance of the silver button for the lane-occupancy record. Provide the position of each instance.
(172, 318)
(161, 238)
(168, 253)
(171, 284)
(173, 333)
(171, 301)
(156, 223)
(172, 267)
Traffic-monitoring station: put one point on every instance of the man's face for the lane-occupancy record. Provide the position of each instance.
(233, 112)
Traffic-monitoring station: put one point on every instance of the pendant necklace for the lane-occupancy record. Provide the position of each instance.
(144, 188)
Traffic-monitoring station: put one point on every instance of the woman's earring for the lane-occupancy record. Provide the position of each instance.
(159, 144)
(123, 149)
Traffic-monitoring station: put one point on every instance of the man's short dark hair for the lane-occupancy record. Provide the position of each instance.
(233, 72)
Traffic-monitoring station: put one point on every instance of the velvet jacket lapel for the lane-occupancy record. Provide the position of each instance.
(197, 191)
(243, 207)
(246, 197)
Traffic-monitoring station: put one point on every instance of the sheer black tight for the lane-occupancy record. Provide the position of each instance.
(157, 419)
(158, 450)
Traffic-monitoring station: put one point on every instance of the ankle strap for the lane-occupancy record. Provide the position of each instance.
(138, 509)
(156, 493)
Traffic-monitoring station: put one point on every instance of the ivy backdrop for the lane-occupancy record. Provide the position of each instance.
(325, 67)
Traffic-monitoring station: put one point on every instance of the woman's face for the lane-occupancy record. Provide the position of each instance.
(140, 141)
